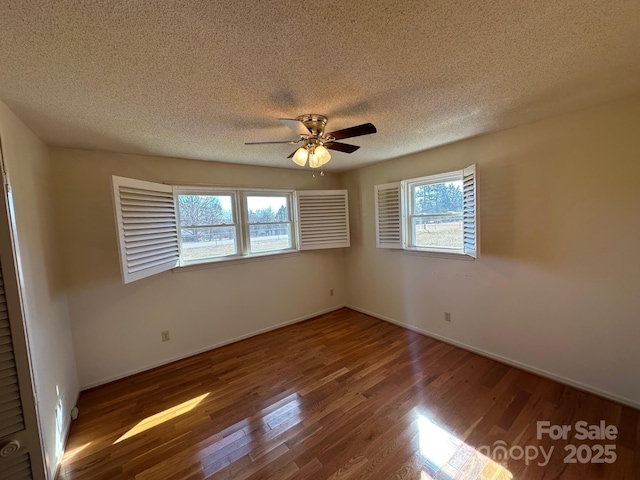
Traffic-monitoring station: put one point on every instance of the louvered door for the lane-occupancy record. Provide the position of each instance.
(323, 219)
(14, 463)
(20, 447)
(147, 227)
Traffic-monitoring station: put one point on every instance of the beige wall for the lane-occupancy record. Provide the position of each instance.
(116, 327)
(557, 286)
(46, 313)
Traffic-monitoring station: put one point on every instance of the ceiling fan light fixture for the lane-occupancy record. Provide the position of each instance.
(322, 154)
(316, 143)
(300, 157)
(314, 161)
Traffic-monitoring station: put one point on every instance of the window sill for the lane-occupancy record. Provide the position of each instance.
(235, 261)
(437, 253)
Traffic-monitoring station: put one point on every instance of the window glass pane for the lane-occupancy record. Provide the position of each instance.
(267, 209)
(200, 243)
(265, 238)
(438, 232)
(205, 210)
(438, 198)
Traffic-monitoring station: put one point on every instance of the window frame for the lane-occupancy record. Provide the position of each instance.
(239, 207)
(409, 186)
(149, 234)
(212, 191)
(289, 195)
(394, 207)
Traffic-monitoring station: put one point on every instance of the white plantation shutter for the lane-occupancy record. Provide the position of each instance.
(470, 217)
(388, 212)
(323, 219)
(147, 227)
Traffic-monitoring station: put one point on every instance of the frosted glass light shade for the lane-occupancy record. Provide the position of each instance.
(314, 161)
(300, 157)
(322, 155)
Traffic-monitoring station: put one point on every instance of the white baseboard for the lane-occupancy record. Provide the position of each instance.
(210, 347)
(505, 360)
(65, 440)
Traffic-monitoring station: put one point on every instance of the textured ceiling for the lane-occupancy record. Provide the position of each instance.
(196, 79)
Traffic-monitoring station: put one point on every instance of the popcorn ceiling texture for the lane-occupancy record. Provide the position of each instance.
(196, 79)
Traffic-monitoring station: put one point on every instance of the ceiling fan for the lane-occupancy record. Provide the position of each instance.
(316, 143)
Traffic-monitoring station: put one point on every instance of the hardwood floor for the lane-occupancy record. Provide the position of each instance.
(341, 396)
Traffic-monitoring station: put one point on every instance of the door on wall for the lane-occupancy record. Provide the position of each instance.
(20, 446)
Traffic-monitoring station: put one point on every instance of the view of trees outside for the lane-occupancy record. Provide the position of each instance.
(205, 210)
(438, 198)
(441, 231)
(200, 216)
(273, 236)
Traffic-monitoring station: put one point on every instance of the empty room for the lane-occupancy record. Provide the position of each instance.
(332, 240)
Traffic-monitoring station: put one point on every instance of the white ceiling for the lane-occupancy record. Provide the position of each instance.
(196, 79)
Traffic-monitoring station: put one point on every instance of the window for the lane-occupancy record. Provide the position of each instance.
(430, 214)
(435, 212)
(223, 224)
(208, 226)
(270, 223)
(161, 227)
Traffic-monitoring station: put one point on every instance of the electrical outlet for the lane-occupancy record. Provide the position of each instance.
(165, 336)
(447, 316)
(331, 292)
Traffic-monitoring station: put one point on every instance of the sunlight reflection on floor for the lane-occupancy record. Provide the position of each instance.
(69, 454)
(440, 449)
(162, 417)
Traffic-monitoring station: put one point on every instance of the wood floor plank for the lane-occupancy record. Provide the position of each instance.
(342, 396)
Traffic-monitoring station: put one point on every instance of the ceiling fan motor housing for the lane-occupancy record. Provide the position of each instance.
(315, 123)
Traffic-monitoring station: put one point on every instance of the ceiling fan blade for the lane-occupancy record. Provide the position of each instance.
(296, 125)
(292, 154)
(342, 147)
(290, 142)
(364, 129)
